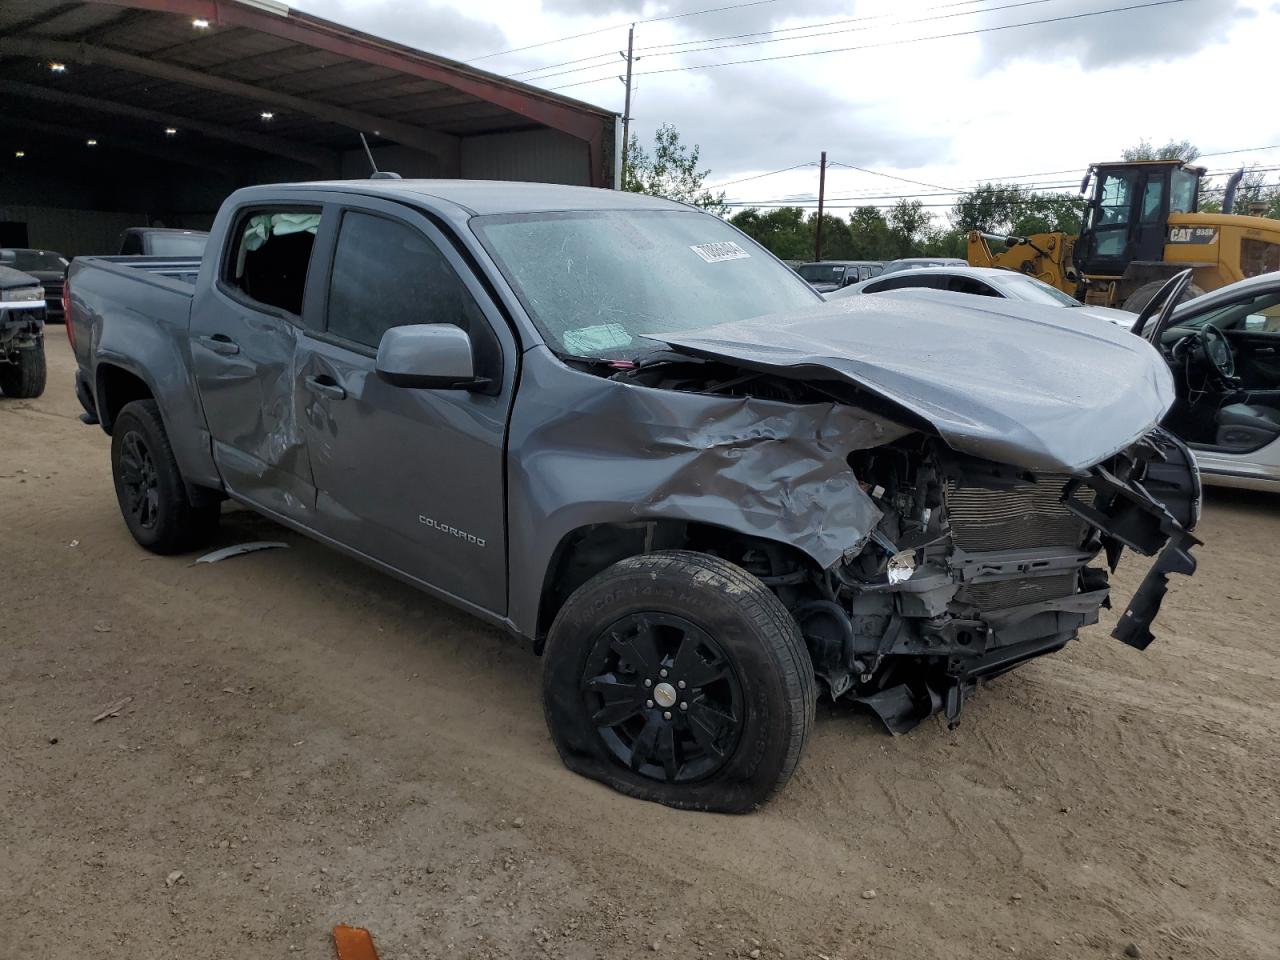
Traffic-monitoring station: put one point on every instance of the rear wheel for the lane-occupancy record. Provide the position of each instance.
(26, 378)
(1137, 300)
(680, 678)
(149, 487)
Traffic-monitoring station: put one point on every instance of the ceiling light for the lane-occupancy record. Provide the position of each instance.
(91, 143)
(19, 154)
(170, 131)
(200, 23)
(268, 115)
(57, 67)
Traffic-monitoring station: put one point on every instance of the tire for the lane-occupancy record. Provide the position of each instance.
(149, 487)
(1137, 300)
(26, 378)
(716, 646)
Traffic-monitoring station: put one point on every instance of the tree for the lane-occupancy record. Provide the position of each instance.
(1010, 208)
(784, 231)
(869, 235)
(909, 226)
(671, 171)
(1252, 193)
(1183, 150)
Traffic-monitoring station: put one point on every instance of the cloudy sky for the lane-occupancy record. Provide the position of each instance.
(939, 92)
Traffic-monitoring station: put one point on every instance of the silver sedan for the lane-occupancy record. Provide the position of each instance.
(981, 282)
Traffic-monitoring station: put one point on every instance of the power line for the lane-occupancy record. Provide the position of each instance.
(619, 26)
(893, 43)
(775, 39)
(918, 183)
(813, 202)
(767, 33)
(833, 23)
(864, 200)
(943, 16)
(759, 176)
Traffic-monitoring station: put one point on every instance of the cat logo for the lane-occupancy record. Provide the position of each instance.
(1193, 234)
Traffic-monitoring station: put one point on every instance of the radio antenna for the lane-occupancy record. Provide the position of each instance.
(368, 153)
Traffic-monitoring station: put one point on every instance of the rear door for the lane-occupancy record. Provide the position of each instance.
(413, 478)
(244, 334)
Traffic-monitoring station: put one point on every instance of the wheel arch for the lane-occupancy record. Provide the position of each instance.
(116, 385)
(586, 550)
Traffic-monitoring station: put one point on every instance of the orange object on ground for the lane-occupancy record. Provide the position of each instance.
(353, 943)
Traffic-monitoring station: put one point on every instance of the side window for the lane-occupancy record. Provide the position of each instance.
(902, 281)
(387, 274)
(970, 285)
(132, 245)
(1152, 198)
(269, 256)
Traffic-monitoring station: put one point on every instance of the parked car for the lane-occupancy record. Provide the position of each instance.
(1224, 350)
(162, 242)
(702, 500)
(984, 282)
(827, 275)
(919, 263)
(22, 366)
(46, 266)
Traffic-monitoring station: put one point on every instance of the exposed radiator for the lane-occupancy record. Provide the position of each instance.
(1026, 515)
(1002, 594)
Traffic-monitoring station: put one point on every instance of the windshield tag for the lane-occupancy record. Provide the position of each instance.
(719, 252)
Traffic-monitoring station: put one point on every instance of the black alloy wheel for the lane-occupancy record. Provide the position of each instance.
(663, 697)
(139, 480)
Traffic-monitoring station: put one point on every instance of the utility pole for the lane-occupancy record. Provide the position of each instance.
(822, 189)
(626, 108)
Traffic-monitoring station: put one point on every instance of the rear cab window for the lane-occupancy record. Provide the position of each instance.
(268, 257)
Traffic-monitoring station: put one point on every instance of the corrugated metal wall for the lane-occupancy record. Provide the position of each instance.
(72, 232)
(541, 156)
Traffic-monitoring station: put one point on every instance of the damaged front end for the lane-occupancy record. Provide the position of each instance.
(977, 567)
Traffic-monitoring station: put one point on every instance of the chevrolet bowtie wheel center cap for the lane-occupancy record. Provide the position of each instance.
(664, 694)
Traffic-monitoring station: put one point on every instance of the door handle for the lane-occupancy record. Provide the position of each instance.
(221, 344)
(325, 387)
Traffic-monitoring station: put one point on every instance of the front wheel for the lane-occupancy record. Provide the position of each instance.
(680, 678)
(25, 378)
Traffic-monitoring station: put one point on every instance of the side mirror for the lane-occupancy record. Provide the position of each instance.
(434, 356)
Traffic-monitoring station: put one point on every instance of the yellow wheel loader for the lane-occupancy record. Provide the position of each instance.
(1141, 226)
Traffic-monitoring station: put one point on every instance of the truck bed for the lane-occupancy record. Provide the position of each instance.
(182, 269)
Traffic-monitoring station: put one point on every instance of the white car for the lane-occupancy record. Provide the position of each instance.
(1224, 350)
(982, 282)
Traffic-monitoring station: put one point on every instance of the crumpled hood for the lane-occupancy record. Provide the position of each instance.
(1036, 387)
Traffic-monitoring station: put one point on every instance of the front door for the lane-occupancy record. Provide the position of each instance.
(1104, 247)
(410, 477)
(1152, 218)
(244, 333)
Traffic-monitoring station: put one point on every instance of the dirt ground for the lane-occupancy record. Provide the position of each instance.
(310, 742)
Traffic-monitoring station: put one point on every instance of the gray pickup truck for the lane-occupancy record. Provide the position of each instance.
(616, 427)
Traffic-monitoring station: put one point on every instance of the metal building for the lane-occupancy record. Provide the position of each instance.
(117, 113)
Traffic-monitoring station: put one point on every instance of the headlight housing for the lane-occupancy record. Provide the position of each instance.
(22, 294)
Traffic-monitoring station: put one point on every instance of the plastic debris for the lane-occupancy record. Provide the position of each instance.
(114, 709)
(240, 549)
(353, 943)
